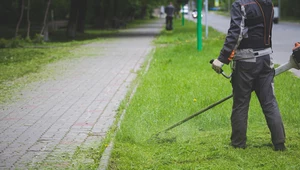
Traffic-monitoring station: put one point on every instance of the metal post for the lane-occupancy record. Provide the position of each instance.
(229, 5)
(182, 15)
(279, 9)
(206, 18)
(199, 25)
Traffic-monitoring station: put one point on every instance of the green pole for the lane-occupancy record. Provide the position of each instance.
(199, 25)
(182, 16)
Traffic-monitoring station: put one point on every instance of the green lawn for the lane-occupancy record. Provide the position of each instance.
(180, 82)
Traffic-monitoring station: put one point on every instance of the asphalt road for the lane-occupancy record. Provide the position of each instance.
(285, 35)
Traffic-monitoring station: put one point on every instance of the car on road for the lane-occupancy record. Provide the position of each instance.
(195, 14)
(185, 9)
(276, 15)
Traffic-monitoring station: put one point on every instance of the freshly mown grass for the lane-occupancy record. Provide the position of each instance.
(23, 65)
(180, 82)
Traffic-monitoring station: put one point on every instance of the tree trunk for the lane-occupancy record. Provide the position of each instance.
(45, 17)
(115, 9)
(81, 15)
(144, 6)
(71, 30)
(99, 14)
(115, 15)
(28, 20)
(20, 19)
(143, 12)
(109, 14)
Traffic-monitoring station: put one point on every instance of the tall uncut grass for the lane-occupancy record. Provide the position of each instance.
(180, 82)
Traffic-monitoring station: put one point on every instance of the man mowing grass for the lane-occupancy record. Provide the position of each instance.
(248, 45)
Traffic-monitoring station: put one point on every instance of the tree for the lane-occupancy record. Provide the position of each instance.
(28, 20)
(20, 18)
(45, 17)
(77, 17)
(182, 1)
(99, 13)
(81, 16)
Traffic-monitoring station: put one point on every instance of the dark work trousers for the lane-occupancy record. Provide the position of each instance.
(169, 22)
(254, 76)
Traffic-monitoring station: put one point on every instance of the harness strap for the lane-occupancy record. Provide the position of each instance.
(268, 19)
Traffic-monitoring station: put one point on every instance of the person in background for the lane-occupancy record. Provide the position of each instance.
(248, 46)
(169, 10)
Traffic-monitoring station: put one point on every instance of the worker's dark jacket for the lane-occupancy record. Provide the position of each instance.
(250, 27)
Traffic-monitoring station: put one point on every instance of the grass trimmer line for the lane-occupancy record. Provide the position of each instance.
(294, 62)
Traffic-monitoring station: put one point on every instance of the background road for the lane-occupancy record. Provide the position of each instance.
(285, 35)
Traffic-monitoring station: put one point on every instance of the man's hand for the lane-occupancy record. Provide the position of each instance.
(217, 66)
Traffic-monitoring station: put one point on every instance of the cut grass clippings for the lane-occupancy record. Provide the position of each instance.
(179, 83)
(22, 66)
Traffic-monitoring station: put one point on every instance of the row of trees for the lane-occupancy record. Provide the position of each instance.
(98, 13)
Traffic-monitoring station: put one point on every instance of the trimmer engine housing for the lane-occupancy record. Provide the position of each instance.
(296, 53)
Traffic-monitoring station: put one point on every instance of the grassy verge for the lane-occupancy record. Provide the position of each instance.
(180, 82)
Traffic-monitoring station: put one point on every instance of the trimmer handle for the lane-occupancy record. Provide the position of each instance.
(222, 72)
(211, 61)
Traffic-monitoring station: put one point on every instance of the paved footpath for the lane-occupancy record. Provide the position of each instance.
(78, 106)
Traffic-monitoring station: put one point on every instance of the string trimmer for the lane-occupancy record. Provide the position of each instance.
(294, 62)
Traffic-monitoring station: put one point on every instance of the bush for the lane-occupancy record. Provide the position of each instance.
(38, 39)
(3, 43)
(14, 43)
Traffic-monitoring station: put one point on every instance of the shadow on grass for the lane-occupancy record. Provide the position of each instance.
(134, 30)
(148, 30)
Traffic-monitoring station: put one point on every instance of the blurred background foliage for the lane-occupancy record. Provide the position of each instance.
(98, 14)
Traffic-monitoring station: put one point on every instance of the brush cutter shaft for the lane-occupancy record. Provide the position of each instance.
(195, 114)
(294, 61)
